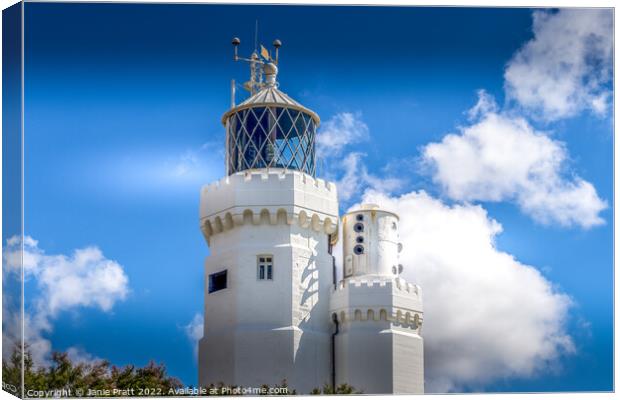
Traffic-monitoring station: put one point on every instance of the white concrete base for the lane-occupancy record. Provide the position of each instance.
(379, 349)
(377, 358)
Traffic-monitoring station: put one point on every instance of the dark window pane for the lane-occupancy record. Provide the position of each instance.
(217, 281)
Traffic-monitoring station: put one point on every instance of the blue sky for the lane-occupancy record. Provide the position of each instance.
(122, 127)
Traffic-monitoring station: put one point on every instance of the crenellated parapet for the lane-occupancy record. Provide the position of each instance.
(378, 298)
(274, 196)
(405, 318)
(380, 281)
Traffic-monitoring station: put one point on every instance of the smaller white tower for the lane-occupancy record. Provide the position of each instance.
(378, 346)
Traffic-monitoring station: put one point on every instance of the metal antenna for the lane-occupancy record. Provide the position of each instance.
(232, 93)
(256, 36)
(260, 63)
(276, 44)
(235, 43)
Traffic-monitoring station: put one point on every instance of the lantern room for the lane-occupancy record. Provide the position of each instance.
(269, 129)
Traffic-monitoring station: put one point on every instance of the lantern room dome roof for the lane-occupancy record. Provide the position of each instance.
(270, 96)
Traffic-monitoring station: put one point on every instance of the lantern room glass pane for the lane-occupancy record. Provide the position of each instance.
(270, 137)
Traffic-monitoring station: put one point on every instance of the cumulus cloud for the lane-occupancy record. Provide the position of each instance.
(487, 315)
(334, 144)
(78, 355)
(194, 330)
(567, 66)
(192, 163)
(355, 178)
(86, 278)
(339, 131)
(164, 172)
(499, 157)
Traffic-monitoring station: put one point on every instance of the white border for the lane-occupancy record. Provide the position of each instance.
(480, 3)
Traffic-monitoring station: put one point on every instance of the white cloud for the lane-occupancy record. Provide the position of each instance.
(567, 66)
(339, 131)
(193, 164)
(487, 316)
(355, 179)
(83, 279)
(503, 158)
(346, 167)
(194, 331)
(162, 172)
(486, 105)
(78, 355)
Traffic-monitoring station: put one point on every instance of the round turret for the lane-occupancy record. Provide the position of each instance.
(371, 243)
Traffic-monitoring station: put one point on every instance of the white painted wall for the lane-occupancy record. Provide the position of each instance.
(375, 233)
(261, 332)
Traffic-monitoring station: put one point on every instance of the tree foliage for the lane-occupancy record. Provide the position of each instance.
(99, 379)
(343, 388)
(62, 374)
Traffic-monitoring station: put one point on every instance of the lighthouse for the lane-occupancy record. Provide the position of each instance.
(274, 310)
(270, 225)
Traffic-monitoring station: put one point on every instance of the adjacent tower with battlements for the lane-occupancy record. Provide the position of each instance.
(378, 347)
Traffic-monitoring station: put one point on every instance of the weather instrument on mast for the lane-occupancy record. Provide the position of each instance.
(261, 65)
(268, 129)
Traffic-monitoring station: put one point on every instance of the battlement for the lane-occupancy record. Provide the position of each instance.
(394, 298)
(371, 282)
(276, 175)
(269, 216)
(274, 196)
(404, 318)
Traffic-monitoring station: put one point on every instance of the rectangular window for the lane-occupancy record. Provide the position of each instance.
(218, 281)
(265, 267)
(261, 272)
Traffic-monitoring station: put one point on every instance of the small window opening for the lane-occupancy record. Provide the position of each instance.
(218, 281)
(265, 267)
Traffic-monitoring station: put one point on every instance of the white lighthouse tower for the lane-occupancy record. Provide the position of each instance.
(270, 226)
(273, 308)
